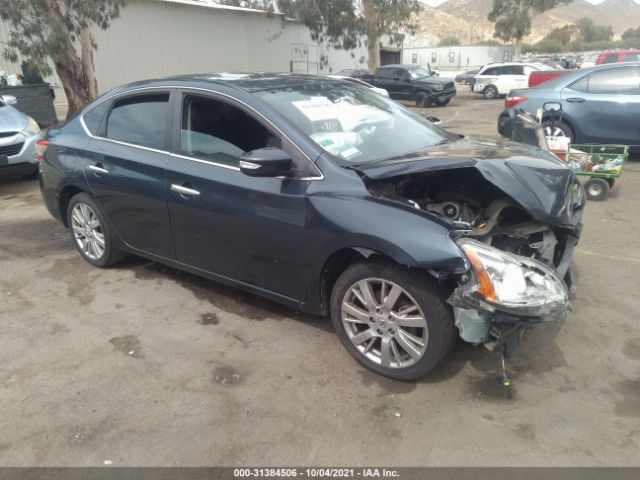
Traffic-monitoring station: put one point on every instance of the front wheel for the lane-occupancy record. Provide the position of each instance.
(392, 320)
(90, 233)
(422, 100)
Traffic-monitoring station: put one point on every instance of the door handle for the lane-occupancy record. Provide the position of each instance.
(189, 192)
(576, 100)
(98, 169)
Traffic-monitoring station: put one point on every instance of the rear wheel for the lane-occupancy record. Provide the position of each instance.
(490, 92)
(90, 233)
(597, 189)
(422, 100)
(392, 320)
(557, 129)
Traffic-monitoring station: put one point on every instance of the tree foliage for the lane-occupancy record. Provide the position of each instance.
(512, 18)
(449, 41)
(590, 32)
(342, 23)
(57, 33)
(584, 35)
(631, 34)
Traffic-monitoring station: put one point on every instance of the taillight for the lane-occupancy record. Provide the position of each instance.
(41, 147)
(514, 100)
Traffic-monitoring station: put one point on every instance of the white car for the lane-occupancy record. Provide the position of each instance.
(498, 79)
(380, 91)
(18, 136)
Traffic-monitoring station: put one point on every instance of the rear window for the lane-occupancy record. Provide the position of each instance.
(93, 118)
(139, 120)
(383, 73)
(618, 81)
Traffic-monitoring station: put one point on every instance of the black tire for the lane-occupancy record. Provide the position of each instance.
(422, 100)
(110, 255)
(33, 175)
(557, 128)
(490, 92)
(427, 295)
(611, 182)
(597, 189)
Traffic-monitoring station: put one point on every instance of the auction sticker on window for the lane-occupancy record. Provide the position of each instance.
(317, 108)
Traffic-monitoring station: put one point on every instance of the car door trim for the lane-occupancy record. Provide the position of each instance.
(318, 177)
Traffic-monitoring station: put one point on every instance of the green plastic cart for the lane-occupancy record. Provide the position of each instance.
(603, 164)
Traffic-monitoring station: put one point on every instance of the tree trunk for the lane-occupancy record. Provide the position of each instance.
(75, 71)
(373, 48)
(373, 37)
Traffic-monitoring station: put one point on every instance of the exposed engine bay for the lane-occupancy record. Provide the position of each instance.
(481, 212)
(469, 203)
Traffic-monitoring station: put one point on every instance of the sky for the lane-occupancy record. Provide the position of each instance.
(438, 2)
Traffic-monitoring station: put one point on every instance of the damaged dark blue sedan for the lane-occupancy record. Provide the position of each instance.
(327, 197)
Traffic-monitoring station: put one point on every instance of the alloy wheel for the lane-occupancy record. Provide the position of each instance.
(384, 323)
(87, 231)
(554, 132)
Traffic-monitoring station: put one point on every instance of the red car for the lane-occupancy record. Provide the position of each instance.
(618, 56)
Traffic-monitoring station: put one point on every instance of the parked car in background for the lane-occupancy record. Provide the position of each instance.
(358, 81)
(18, 136)
(327, 197)
(361, 73)
(599, 105)
(538, 77)
(413, 82)
(498, 79)
(618, 56)
(468, 77)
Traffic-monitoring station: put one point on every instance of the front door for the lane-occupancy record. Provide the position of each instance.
(250, 230)
(125, 167)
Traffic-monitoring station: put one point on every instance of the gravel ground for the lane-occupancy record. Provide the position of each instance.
(145, 365)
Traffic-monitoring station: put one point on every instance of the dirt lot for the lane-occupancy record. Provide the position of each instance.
(145, 365)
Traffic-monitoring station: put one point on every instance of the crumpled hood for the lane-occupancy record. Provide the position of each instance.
(11, 120)
(534, 178)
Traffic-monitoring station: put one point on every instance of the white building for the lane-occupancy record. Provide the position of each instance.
(457, 57)
(157, 38)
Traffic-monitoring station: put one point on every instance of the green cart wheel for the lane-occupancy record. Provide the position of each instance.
(597, 189)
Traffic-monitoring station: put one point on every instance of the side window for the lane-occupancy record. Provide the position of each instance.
(93, 118)
(383, 73)
(491, 71)
(219, 132)
(581, 85)
(400, 74)
(140, 120)
(619, 81)
(611, 58)
(631, 57)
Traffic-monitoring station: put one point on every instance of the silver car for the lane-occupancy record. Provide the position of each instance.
(18, 136)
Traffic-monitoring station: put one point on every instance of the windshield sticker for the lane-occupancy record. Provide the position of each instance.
(317, 108)
(349, 152)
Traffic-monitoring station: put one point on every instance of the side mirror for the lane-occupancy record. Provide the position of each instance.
(265, 162)
(9, 100)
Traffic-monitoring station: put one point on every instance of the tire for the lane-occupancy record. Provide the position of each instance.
(597, 189)
(557, 129)
(100, 248)
(420, 295)
(33, 175)
(422, 100)
(490, 92)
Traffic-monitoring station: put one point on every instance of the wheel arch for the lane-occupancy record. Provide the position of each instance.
(65, 196)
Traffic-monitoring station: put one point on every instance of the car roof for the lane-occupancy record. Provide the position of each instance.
(609, 52)
(408, 66)
(249, 82)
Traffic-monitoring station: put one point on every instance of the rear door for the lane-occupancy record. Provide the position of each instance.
(402, 83)
(511, 77)
(124, 164)
(384, 79)
(605, 106)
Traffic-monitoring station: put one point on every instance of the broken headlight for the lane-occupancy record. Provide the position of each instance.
(512, 283)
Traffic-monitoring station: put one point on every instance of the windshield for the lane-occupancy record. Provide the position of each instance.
(419, 72)
(354, 123)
